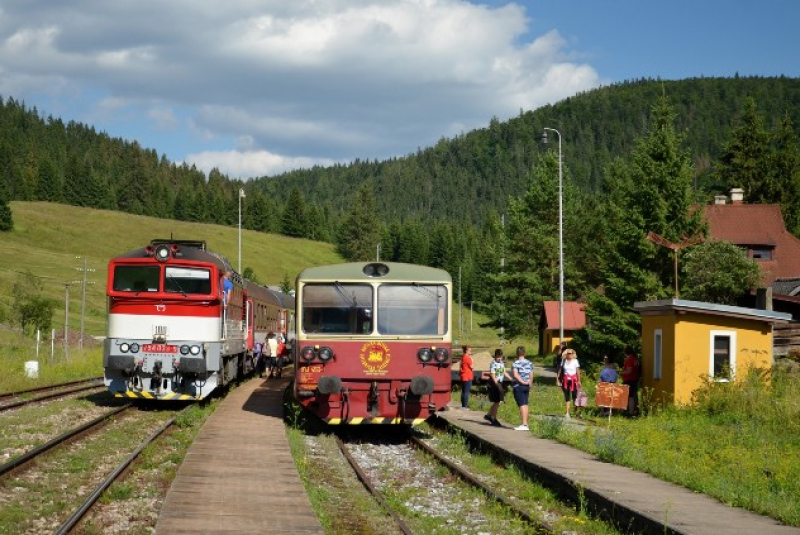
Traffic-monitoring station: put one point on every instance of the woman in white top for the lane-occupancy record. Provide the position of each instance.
(569, 377)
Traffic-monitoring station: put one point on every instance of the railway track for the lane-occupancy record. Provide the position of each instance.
(13, 400)
(30, 456)
(38, 487)
(83, 509)
(438, 496)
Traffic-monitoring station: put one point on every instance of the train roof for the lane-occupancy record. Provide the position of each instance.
(184, 250)
(355, 271)
(268, 294)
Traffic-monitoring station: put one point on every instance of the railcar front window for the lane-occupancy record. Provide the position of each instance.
(136, 278)
(187, 281)
(337, 308)
(413, 309)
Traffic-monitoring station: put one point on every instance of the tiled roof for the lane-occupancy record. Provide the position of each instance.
(756, 225)
(574, 316)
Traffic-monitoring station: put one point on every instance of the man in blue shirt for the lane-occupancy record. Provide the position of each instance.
(227, 287)
(522, 371)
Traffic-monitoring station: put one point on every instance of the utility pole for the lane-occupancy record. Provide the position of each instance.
(66, 323)
(83, 296)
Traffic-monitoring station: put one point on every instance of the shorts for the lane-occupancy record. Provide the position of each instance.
(495, 393)
(273, 362)
(521, 394)
(570, 394)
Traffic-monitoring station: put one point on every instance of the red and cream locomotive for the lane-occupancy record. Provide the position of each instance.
(170, 334)
(373, 342)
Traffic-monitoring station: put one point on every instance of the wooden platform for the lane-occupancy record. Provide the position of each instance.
(238, 475)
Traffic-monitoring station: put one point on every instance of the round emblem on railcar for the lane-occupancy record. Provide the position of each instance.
(375, 358)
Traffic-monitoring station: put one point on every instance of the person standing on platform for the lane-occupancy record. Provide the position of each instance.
(497, 374)
(271, 352)
(631, 373)
(467, 375)
(570, 377)
(522, 372)
(609, 372)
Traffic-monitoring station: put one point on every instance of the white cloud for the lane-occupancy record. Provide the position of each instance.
(304, 82)
(250, 164)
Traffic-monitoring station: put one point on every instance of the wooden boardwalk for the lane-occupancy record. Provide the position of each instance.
(238, 475)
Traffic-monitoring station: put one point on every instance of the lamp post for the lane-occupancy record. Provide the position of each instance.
(241, 196)
(560, 237)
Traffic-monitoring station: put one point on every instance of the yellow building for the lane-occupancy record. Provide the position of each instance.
(685, 343)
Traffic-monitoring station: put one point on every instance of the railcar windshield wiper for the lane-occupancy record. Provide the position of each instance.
(424, 290)
(177, 284)
(343, 294)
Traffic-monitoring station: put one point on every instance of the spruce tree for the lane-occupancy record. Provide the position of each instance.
(651, 191)
(745, 162)
(6, 218)
(360, 232)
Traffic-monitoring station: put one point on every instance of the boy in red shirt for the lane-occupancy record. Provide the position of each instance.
(467, 375)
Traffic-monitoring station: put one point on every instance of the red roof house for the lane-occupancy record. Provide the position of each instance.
(759, 229)
(574, 320)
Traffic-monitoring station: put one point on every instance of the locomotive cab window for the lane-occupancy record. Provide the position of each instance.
(337, 308)
(413, 309)
(136, 278)
(187, 281)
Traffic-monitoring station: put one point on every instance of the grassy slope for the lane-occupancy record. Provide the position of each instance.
(48, 237)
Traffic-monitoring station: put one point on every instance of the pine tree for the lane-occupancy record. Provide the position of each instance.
(6, 218)
(293, 219)
(649, 192)
(786, 166)
(361, 229)
(745, 162)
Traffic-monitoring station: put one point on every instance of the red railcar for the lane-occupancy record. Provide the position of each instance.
(373, 342)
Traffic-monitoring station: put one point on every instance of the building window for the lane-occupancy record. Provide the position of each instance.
(722, 358)
(761, 254)
(657, 352)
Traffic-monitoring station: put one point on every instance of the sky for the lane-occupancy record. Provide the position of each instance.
(256, 88)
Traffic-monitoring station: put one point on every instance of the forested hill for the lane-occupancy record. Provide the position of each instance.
(41, 158)
(465, 177)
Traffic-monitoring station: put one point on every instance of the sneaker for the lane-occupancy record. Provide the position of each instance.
(521, 428)
(488, 418)
(497, 423)
(566, 417)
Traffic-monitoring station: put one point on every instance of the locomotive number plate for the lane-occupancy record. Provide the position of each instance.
(159, 348)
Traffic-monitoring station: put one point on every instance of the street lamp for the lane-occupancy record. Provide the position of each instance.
(241, 196)
(560, 237)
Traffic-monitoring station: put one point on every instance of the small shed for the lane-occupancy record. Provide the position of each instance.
(549, 331)
(685, 343)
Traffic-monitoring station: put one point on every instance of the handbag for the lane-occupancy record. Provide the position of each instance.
(581, 400)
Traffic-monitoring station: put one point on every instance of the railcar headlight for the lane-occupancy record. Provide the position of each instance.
(184, 349)
(194, 350)
(162, 253)
(442, 355)
(308, 354)
(134, 347)
(424, 355)
(325, 354)
(124, 347)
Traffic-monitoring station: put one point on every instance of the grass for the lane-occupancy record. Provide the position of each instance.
(17, 349)
(53, 240)
(739, 442)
